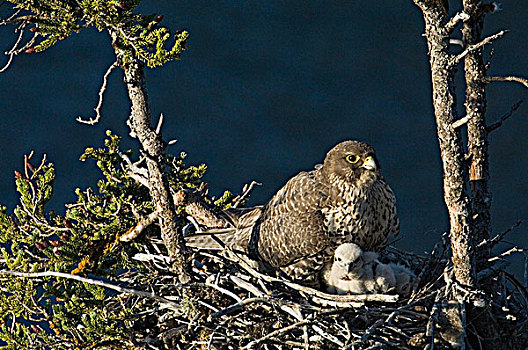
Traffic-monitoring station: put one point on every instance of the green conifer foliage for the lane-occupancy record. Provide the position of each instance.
(67, 280)
(139, 36)
(59, 313)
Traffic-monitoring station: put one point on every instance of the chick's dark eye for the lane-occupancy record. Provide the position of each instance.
(352, 158)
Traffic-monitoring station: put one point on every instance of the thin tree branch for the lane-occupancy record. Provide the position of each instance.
(498, 238)
(458, 42)
(117, 288)
(13, 17)
(457, 18)
(508, 252)
(11, 52)
(141, 225)
(93, 121)
(458, 123)
(9, 60)
(250, 345)
(498, 124)
(160, 124)
(521, 80)
(247, 191)
(476, 46)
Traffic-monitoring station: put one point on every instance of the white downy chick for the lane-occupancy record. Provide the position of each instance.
(357, 272)
(350, 270)
(405, 279)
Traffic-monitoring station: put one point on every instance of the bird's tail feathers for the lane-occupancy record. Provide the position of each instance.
(219, 239)
(210, 239)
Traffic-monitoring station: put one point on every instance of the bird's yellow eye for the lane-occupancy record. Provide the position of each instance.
(352, 158)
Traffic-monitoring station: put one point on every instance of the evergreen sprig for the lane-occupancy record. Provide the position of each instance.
(44, 312)
(135, 35)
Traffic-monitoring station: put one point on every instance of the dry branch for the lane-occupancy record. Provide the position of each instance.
(521, 80)
(141, 225)
(97, 109)
(451, 148)
(140, 123)
(472, 48)
(498, 124)
(286, 314)
(456, 19)
(100, 283)
(275, 333)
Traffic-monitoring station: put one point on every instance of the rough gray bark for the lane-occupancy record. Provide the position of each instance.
(476, 127)
(153, 145)
(452, 152)
(469, 214)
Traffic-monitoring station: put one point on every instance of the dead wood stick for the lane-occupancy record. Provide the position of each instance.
(250, 345)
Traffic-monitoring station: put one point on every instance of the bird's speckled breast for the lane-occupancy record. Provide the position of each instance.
(360, 214)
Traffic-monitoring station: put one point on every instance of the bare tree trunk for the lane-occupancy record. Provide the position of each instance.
(474, 73)
(469, 216)
(140, 123)
(450, 141)
(476, 128)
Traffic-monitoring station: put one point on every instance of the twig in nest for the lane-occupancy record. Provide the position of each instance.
(498, 238)
(506, 253)
(236, 307)
(224, 291)
(365, 336)
(433, 320)
(250, 345)
(120, 289)
(349, 301)
(246, 192)
(328, 336)
(247, 286)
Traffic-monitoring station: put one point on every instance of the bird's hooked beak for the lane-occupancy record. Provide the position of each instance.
(350, 267)
(369, 163)
(353, 265)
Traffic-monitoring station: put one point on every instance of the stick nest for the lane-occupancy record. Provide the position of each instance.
(229, 305)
